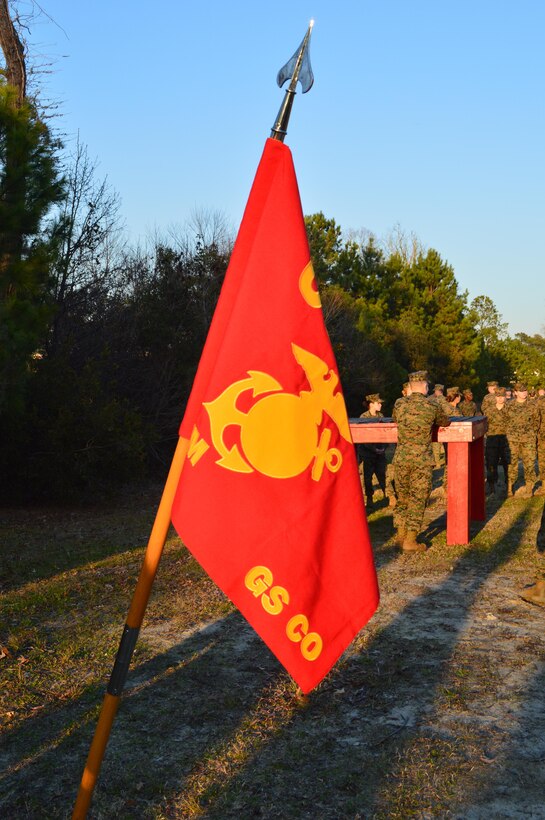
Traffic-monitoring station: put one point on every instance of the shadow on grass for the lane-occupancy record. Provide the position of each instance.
(515, 775)
(80, 536)
(346, 753)
(174, 708)
(213, 727)
(381, 532)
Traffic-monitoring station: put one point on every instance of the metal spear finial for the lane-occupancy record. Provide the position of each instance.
(300, 70)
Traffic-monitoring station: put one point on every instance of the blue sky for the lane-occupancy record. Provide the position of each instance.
(426, 114)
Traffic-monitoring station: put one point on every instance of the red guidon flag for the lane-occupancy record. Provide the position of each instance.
(269, 500)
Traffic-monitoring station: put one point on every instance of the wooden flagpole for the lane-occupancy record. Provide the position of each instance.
(135, 617)
(297, 69)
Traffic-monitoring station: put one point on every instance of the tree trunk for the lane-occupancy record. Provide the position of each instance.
(14, 52)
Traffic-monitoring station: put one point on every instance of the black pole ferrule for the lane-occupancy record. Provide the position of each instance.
(123, 660)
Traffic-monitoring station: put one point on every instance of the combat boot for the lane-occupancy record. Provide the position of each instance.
(526, 491)
(401, 532)
(490, 488)
(410, 544)
(540, 540)
(535, 594)
(509, 489)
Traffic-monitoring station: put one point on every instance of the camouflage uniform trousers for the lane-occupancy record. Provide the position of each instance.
(390, 481)
(526, 451)
(540, 541)
(445, 472)
(413, 480)
(438, 449)
(541, 459)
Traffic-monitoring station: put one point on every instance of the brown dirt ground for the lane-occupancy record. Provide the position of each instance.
(436, 709)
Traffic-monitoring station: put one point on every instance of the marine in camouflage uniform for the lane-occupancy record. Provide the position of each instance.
(496, 447)
(467, 406)
(536, 593)
(437, 447)
(540, 540)
(390, 469)
(406, 391)
(540, 403)
(452, 404)
(522, 425)
(451, 407)
(413, 460)
(490, 396)
(373, 456)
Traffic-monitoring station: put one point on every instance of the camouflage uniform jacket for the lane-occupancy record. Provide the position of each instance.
(489, 399)
(497, 421)
(440, 401)
(467, 408)
(522, 421)
(541, 418)
(415, 417)
(452, 410)
(378, 449)
(399, 401)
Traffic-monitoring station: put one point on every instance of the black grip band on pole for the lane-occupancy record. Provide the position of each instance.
(123, 660)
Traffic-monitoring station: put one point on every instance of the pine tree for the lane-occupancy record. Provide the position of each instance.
(29, 186)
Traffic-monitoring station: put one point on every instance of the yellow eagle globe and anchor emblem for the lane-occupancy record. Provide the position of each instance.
(279, 435)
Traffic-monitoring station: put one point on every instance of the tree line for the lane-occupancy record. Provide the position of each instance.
(394, 306)
(100, 340)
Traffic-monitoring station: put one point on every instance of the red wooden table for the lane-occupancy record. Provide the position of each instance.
(465, 452)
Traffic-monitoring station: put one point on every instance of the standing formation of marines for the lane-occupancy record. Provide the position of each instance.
(516, 431)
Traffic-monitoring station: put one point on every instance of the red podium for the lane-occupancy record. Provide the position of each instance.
(465, 453)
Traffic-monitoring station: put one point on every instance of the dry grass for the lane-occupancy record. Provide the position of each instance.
(436, 710)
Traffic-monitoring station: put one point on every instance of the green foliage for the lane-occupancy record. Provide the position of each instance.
(487, 321)
(106, 342)
(436, 332)
(492, 361)
(325, 240)
(105, 402)
(76, 436)
(526, 357)
(29, 186)
(410, 312)
(364, 364)
(359, 269)
(162, 317)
